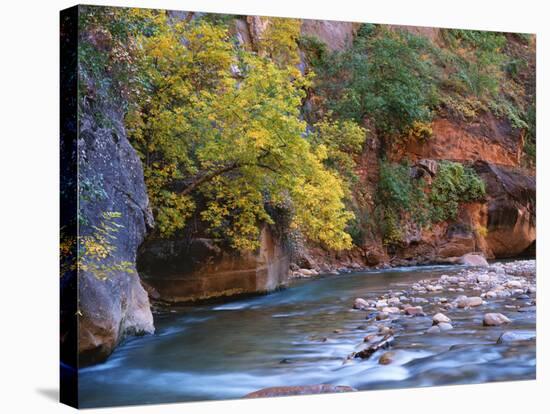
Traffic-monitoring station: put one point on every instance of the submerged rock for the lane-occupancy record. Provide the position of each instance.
(510, 336)
(444, 326)
(298, 390)
(387, 358)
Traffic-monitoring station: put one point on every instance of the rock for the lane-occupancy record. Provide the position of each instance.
(387, 358)
(444, 326)
(511, 336)
(414, 311)
(382, 316)
(113, 304)
(433, 329)
(391, 309)
(490, 295)
(335, 35)
(393, 301)
(471, 259)
(384, 343)
(298, 390)
(440, 318)
(468, 302)
(513, 284)
(511, 209)
(381, 304)
(483, 278)
(308, 272)
(495, 319)
(360, 303)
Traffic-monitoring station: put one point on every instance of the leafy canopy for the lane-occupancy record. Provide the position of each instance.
(220, 128)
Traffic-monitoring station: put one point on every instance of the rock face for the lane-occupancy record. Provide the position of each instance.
(299, 390)
(490, 139)
(111, 180)
(336, 35)
(511, 210)
(183, 270)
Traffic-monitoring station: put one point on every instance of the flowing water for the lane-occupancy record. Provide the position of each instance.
(302, 335)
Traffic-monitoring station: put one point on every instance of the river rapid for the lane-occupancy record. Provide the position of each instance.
(309, 333)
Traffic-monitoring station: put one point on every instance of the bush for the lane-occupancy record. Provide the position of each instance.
(454, 183)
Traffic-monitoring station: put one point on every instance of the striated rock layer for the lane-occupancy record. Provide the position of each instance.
(186, 270)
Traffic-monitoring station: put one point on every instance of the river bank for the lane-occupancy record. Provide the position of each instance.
(310, 334)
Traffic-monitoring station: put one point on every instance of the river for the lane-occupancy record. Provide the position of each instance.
(303, 335)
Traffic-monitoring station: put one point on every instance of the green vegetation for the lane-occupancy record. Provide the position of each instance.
(401, 196)
(220, 135)
(384, 77)
(454, 183)
(235, 137)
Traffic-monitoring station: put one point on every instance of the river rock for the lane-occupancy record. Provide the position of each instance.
(299, 390)
(440, 318)
(387, 358)
(495, 319)
(391, 309)
(444, 326)
(393, 301)
(468, 302)
(433, 329)
(483, 278)
(414, 311)
(510, 336)
(382, 316)
(360, 303)
(491, 295)
(308, 272)
(513, 284)
(473, 260)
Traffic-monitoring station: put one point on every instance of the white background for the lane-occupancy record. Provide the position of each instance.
(29, 205)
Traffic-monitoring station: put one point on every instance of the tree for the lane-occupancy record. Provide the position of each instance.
(221, 125)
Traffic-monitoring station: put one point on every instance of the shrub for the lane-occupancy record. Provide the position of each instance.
(454, 183)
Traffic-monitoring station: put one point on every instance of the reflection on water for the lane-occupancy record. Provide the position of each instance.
(302, 335)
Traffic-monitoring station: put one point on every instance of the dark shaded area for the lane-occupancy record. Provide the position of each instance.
(68, 44)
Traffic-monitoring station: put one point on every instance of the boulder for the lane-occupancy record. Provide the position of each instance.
(440, 318)
(471, 259)
(468, 302)
(360, 303)
(495, 319)
(298, 390)
(414, 311)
